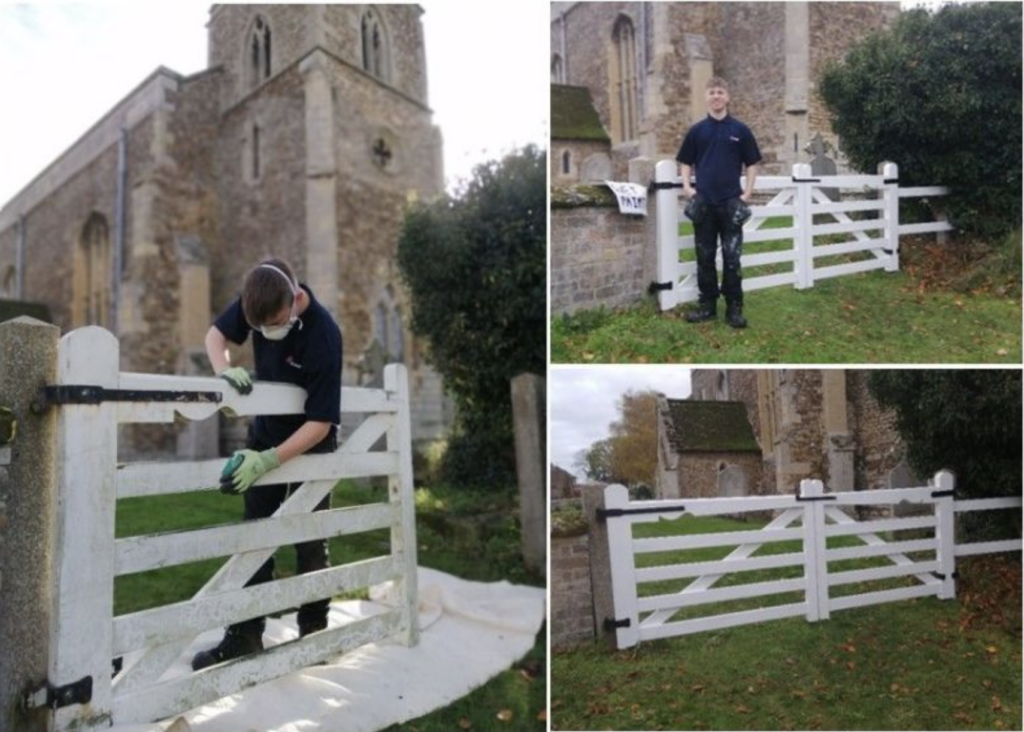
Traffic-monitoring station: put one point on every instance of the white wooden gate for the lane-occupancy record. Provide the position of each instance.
(800, 197)
(93, 398)
(810, 517)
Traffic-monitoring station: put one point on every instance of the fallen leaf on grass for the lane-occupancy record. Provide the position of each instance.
(1002, 352)
(996, 704)
(741, 709)
(697, 688)
(465, 723)
(505, 715)
(991, 649)
(542, 715)
(848, 647)
(850, 665)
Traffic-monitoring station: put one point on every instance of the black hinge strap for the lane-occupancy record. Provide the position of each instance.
(941, 576)
(943, 494)
(663, 186)
(84, 394)
(606, 513)
(56, 697)
(806, 180)
(658, 287)
(612, 623)
(808, 499)
(890, 180)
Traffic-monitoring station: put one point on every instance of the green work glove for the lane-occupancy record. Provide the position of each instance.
(245, 467)
(238, 377)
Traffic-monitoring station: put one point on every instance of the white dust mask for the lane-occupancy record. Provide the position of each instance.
(280, 332)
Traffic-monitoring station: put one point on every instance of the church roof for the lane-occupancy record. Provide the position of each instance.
(573, 116)
(699, 426)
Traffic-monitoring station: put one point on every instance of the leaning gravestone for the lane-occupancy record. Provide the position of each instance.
(902, 476)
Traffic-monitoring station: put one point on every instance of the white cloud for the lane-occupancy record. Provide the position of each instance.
(583, 401)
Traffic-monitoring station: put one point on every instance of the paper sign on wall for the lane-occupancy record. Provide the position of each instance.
(632, 197)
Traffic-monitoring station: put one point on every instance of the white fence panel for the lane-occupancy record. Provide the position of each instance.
(802, 197)
(815, 509)
(92, 398)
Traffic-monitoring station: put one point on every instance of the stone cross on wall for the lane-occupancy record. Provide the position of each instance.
(381, 153)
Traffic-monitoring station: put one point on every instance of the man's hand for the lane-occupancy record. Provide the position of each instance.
(245, 467)
(746, 197)
(239, 378)
(688, 192)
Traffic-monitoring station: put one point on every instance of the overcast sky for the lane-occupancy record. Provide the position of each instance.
(583, 400)
(62, 67)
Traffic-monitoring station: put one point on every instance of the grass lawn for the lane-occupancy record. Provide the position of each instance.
(472, 535)
(876, 317)
(914, 664)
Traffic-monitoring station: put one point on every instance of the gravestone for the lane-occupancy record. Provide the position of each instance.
(596, 168)
(733, 482)
(903, 476)
(821, 164)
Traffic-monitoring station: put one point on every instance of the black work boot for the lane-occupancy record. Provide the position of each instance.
(236, 643)
(734, 315)
(705, 311)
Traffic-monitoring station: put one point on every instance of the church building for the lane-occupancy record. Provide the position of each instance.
(307, 137)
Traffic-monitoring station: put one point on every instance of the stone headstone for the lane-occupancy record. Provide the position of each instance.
(821, 164)
(733, 482)
(903, 476)
(596, 168)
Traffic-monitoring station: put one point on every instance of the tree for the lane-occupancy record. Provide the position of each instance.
(634, 440)
(968, 421)
(596, 464)
(939, 94)
(475, 266)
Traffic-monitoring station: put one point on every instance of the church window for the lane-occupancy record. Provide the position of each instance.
(374, 45)
(566, 163)
(624, 80)
(93, 267)
(557, 70)
(259, 52)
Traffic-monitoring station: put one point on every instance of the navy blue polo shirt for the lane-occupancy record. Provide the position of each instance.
(717, 150)
(309, 357)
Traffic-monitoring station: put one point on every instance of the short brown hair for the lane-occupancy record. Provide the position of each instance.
(265, 292)
(717, 82)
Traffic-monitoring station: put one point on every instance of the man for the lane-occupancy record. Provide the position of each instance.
(716, 149)
(295, 340)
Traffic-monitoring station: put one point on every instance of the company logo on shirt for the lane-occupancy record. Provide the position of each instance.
(734, 139)
(291, 362)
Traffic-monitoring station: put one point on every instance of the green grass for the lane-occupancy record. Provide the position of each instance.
(915, 664)
(473, 535)
(873, 317)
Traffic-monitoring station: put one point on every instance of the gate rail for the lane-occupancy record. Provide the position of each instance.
(819, 516)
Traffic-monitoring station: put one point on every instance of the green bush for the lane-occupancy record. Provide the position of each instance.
(939, 94)
(475, 265)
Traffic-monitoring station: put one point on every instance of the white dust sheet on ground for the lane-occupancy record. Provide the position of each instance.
(471, 631)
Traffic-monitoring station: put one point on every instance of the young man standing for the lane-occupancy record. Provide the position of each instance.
(716, 149)
(295, 340)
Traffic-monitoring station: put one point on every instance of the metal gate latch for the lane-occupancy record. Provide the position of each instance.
(55, 697)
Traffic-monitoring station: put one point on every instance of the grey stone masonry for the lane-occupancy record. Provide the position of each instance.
(528, 415)
(28, 361)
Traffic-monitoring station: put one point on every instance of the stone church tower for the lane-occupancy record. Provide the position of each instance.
(646, 64)
(306, 137)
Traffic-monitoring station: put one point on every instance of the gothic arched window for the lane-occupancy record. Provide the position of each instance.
(566, 163)
(93, 269)
(374, 44)
(624, 80)
(259, 65)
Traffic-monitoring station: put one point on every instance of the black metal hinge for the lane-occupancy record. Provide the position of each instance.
(612, 623)
(806, 180)
(658, 287)
(941, 576)
(606, 513)
(663, 186)
(85, 394)
(943, 494)
(808, 499)
(55, 697)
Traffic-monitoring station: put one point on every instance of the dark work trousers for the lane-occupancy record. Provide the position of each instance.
(717, 225)
(260, 502)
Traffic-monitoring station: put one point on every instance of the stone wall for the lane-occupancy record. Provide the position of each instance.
(580, 170)
(572, 604)
(597, 254)
(880, 447)
(698, 473)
